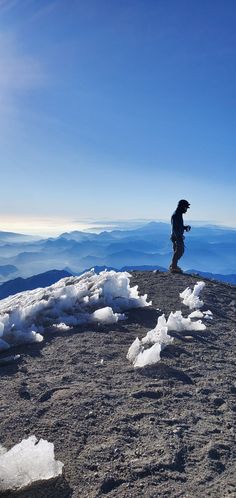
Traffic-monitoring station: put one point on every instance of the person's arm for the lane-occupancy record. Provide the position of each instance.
(187, 228)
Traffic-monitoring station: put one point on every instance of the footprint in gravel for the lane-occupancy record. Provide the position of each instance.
(147, 394)
(218, 454)
(217, 401)
(46, 396)
(24, 393)
(41, 413)
(109, 484)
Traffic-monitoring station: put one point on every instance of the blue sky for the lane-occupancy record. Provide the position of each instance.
(116, 110)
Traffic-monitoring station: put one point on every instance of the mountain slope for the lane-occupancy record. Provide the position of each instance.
(165, 430)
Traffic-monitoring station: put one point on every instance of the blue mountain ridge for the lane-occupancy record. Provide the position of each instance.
(19, 284)
(7, 270)
(210, 248)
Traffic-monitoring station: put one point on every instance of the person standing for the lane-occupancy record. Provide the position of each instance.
(177, 234)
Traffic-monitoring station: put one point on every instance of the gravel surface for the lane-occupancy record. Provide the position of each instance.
(161, 431)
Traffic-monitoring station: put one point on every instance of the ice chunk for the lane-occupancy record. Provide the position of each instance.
(158, 337)
(61, 326)
(208, 312)
(106, 315)
(191, 298)
(159, 334)
(27, 462)
(196, 314)
(134, 350)
(208, 315)
(24, 337)
(148, 356)
(178, 323)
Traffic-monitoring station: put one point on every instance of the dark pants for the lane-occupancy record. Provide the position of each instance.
(178, 250)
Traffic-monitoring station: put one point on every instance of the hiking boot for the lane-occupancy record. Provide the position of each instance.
(176, 269)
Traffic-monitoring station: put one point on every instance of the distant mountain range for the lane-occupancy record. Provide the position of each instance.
(210, 248)
(7, 270)
(229, 279)
(6, 237)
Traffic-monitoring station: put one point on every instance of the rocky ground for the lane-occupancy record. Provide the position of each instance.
(162, 431)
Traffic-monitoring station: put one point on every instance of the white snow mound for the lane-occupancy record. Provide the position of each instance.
(191, 298)
(178, 323)
(134, 350)
(148, 356)
(27, 462)
(196, 314)
(159, 334)
(107, 315)
(71, 301)
(159, 337)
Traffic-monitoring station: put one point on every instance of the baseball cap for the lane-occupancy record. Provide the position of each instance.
(184, 203)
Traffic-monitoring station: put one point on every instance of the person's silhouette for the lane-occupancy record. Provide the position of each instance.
(177, 234)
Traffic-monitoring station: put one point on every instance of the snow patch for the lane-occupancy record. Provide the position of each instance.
(62, 326)
(159, 334)
(178, 323)
(106, 315)
(27, 462)
(208, 315)
(196, 314)
(191, 298)
(159, 338)
(71, 301)
(148, 356)
(134, 350)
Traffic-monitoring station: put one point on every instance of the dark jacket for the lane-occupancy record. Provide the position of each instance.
(177, 225)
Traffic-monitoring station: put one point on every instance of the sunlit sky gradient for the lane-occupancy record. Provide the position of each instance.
(116, 110)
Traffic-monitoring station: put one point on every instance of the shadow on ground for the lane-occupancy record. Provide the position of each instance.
(55, 488)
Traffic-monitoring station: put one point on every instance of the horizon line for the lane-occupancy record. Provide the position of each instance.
(49, 227)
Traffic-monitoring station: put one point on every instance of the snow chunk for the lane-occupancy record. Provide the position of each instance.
(134, 350)
(71, 301)
(178, 323)
(158, 337)
(148, 356)
(196, 314)
(106, 315)
(159, 334)
(62, 326)
(208, 315)
(208, 312)
(191, 299)
(27, 462)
